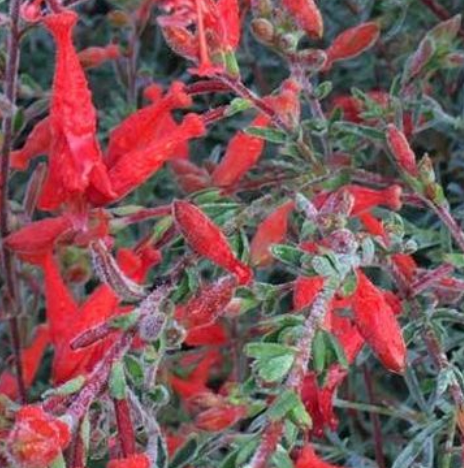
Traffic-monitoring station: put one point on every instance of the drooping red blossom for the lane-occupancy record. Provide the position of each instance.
(36, 438)
(75, 161)
(319, 400)
(37, 143)
(220, 417)
(95, 56)
(377, 324)
(135, 167)
(30, 361)
(138, 460)
(146, 125)
(352, 42)
(308, 458)
(307, 16)
(402, 152)
(272, 230)
(208, 304)
(196, 382)
(206, 239)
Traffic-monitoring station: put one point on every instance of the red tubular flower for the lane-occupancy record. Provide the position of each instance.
(189, 176)
(138, 460)
(220, 417)
(146, 125)
(401, 150)
(376, 322)
(195, 384)
(308, 458)
(305, 291)
(242, 153)
(307, 16)
(95, 56)
(39, 237)
(207, 306)
(135, 167)
(36, 438)
(272, 230)
(352, 42)
(30, 361)
(75, 161)
(365, 199)
(37, 143)
(210, 335)
(319, 400)
(206, 239)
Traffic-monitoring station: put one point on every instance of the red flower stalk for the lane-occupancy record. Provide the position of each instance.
(220, 417)
(208, 305)
(36, 438)
(95, 56)
(402, 152)
(273, 230)
(206, 239)
(37, 143)
(352, 42)
(75, 161)
(134, 461)
(376, 322)
(308, 458)
(307, 16)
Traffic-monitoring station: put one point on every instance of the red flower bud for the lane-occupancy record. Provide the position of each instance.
(207, 306)
(352, 42)
(401, 150)
(206, 239)
(307, 16)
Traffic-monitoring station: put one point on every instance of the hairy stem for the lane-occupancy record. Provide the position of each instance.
(12, 306)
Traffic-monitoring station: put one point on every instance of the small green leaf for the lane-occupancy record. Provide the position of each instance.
(185, 454)
(117, 381)
(323, 90)
(282, 405)
(319, 351)
(237, 105)
(272, 135)
(267, 350)
(274, 369)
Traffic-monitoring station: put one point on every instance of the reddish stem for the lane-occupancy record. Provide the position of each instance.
(12, 305)
(125, 427)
